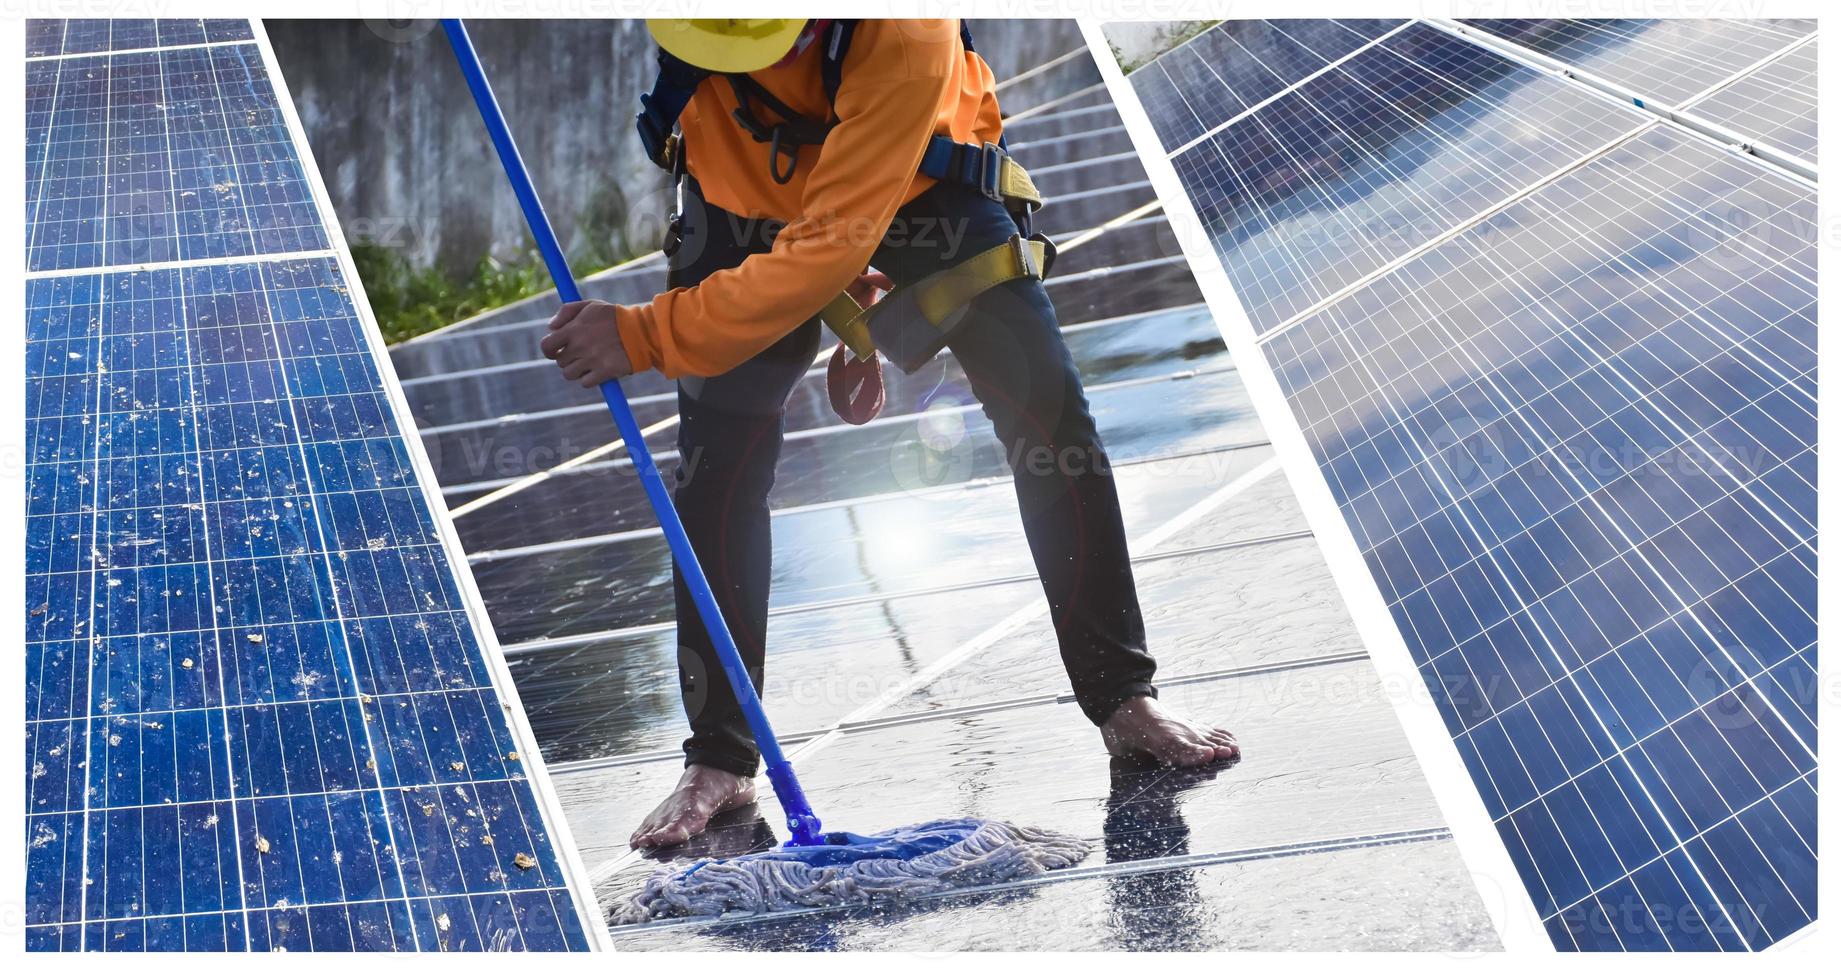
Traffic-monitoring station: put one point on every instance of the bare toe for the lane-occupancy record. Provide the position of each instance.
(701, 793)
(1141, 727)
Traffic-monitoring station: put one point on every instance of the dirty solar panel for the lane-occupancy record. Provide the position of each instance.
(1574, 439)
(1667, 61)
(123, 177)
(1227, 70)
(1377, 156)
(258, 712)
(54, 37)
(1774, 104)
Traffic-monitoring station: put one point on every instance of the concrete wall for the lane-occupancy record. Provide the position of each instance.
(408, 164)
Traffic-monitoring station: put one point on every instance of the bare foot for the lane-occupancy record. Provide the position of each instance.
(1141, 728)
(702, 793)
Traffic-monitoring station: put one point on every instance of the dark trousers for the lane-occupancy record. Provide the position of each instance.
(1018, 367)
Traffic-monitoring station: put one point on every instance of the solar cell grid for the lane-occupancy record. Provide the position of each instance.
(1573, 446)
(1224, 72)
(182, 154)
(1574, 438)
(1665, 60)
(1775, 103)
(47, 38)
(259, 714)
(1376, 157)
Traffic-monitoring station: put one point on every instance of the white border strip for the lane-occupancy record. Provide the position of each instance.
(1499, 885)
(594, 926)
(250, 259)
(158, 47)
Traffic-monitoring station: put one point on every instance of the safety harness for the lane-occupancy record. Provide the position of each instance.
(889, 326)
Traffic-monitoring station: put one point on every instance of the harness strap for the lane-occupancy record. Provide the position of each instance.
(831, 59)
(988, 167)
(659, 109)
(939, 297)
(786, 137)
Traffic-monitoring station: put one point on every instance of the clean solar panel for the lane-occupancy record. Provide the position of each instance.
(1574, 440)
(1226, 71)
(1669, 61)
(260, 714)
(1775, 104)
(1373, 158)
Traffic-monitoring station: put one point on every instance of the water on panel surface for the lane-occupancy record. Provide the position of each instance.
(898, 548)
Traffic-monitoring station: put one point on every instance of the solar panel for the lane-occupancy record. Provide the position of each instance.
(1574, 440)
(1669, 61)
(264, 710)
(1373, 158)
(53, 37)
(1224, 72)
(1775, 103)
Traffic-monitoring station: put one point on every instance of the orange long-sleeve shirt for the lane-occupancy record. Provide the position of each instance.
(904, 81)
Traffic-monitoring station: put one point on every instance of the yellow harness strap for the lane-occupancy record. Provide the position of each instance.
(938, 296)
(1013, 184)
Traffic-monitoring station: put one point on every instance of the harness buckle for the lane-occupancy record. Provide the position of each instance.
(674, 235)
(1025, 256)
(991, 168)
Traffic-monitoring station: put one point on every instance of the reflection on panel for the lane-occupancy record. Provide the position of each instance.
(1556, 362)
(1378, 156)
(1226, 71)
(1775, 104)
(1668, 61)
(1576, 446)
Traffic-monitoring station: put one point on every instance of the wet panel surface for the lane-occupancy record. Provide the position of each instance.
(853, 461)
(1324, 759)
(1217, 610)
(620, 695)
(1414, 896)
(938, 451)
(894, 544)
(887, 571)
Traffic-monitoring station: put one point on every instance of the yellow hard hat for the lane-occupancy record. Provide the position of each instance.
(727, 45)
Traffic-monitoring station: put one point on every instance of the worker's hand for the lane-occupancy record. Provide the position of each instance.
(869, 287)
(585, 343)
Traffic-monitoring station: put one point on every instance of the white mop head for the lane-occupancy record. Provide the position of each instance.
(992, 851)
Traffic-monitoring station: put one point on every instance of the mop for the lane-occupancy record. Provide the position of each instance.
(815, 868)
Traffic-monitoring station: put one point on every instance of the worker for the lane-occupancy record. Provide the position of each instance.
(811, 154)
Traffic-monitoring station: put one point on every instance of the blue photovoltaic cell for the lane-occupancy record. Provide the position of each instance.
(1226, 71)
(1576, 445)
(1667, 61)
(1775, 104)
(258, 712)
(1377, 156)
(1575, 442)
(160, 156)
(52, 37)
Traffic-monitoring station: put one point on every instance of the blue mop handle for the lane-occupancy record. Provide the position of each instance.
(799, 817)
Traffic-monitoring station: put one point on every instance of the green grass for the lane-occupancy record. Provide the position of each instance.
(409, 301)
